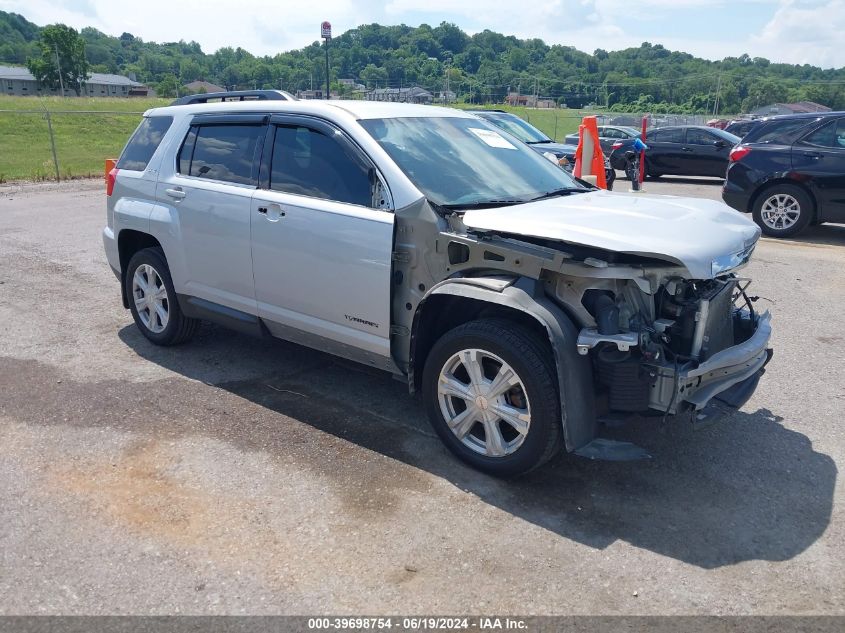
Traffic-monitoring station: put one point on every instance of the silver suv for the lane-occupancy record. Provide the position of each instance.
(424, 241)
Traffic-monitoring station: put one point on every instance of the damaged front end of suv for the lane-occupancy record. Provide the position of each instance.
(654, 285)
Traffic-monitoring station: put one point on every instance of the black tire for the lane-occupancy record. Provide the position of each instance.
(610, 177)
(531, 360)
(805, 206)
(178, 328)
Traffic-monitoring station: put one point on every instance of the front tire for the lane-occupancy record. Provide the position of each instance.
(153, 302)
(783, 210)
(491, 394)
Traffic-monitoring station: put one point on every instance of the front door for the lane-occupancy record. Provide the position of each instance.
(821, 156)
(707, 153)
(321, 253)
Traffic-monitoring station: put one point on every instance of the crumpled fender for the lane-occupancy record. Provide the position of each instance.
(574, 372)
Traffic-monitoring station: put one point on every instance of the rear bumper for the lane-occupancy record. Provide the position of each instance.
(110, 246)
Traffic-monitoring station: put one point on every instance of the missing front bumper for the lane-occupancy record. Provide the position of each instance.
(718, 375)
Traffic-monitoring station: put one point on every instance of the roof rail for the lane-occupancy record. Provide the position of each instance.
(236, 95)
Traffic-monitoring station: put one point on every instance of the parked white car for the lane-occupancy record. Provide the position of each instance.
(426, 242)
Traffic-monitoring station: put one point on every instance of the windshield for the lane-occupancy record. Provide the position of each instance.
(511, 123)
(466, 162)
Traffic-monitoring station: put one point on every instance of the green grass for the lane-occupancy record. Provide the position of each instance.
(83, 141)
(90, 130)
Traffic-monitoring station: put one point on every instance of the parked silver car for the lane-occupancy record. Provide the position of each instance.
(428, 243)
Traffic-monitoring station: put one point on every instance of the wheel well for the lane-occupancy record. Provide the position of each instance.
(783, 181)
(130, 242)
(441, 313)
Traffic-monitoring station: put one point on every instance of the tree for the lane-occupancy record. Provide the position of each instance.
(62, 59)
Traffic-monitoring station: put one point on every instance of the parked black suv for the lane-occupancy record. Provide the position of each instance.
(789, 171)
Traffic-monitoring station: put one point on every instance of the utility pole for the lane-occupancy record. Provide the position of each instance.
(59, 67)
(718, 91)
(326, 32)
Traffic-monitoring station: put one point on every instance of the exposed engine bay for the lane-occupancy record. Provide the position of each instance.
(650, 336)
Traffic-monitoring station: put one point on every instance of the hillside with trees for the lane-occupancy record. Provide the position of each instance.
(481, 68)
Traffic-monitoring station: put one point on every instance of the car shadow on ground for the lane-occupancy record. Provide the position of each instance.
(746, 489)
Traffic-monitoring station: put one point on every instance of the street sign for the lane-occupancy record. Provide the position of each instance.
(326, 30)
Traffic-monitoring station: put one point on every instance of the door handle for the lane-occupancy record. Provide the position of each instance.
(686, 149)
(814, 155)
(176, 193)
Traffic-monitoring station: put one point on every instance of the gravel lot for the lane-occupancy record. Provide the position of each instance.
(235, 475)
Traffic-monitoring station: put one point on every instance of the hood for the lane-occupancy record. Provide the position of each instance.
(688, 231)
(558, 149)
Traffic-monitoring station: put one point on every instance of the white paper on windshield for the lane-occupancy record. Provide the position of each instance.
(493, 139)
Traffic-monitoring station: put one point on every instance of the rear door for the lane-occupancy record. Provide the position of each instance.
(321, 251)
(820, 155)
(207, 195)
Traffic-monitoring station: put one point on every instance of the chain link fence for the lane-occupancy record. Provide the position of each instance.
(47, 144)
(49, 140)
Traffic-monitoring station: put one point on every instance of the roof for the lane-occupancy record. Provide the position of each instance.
(357, 109)
(802, 115)
(23, 74)
(799, 107)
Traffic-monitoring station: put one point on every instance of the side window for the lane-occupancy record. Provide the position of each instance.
(309, 163)
(668, 135)
(221, 152)
(144, 142)
(609, 132)
(829, 135)
(699, 137)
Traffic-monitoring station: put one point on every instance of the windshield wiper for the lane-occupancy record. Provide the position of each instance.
(548, 140)
(482, 204)
(565, 191)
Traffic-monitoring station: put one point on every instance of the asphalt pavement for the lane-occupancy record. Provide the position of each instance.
(236, 475)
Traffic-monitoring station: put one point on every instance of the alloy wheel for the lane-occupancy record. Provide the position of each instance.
(780, 211)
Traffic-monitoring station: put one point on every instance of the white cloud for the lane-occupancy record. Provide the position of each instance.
(804, 33)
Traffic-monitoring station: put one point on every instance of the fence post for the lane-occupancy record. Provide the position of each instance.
(555, 136)
(52, 140)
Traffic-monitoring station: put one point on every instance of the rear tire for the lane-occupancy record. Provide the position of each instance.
(153, 302)
(783, 210)
(491, 394)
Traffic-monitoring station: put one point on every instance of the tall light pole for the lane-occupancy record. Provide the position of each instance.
(59, 68)
(326, 32)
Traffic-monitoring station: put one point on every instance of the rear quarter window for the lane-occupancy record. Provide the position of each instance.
(144, 142)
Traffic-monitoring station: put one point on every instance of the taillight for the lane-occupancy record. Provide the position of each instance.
(738, 153)
(616, 145)
(110, 180)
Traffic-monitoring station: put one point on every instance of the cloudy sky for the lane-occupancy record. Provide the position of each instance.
(796, 31)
